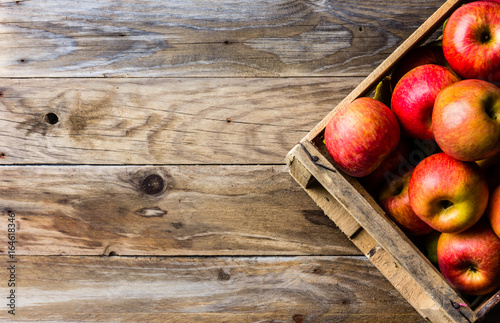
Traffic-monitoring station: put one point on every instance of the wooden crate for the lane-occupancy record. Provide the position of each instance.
(366, 224)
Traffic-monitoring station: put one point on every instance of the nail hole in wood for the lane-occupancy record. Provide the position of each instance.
(22, 60)
(1, 94)
(51, 118)
(3, 155)
(153, 184)
(112, 253)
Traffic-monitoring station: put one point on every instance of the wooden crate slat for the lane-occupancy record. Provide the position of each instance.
(390, 238)
(488, 305)
(399, 278)
(322, 197)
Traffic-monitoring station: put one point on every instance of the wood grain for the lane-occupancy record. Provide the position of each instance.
(215, 289)
(155, 131)
(159, 210)
(153, 38)
(161, 121)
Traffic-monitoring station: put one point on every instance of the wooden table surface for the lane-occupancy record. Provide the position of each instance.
(142, 147)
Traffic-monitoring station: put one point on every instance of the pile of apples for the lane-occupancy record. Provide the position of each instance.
(430, 152)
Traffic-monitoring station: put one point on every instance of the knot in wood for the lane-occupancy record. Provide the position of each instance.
(153, 184)
(223, 275)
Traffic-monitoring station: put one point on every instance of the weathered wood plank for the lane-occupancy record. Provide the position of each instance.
(161, 121)
(202, 37)
(213, 289)
(175, 210)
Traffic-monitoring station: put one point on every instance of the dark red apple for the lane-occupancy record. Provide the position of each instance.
(413, 98)
(395, 202)
(448, 194)
(470, 260)
(361, 135)
(471, 41)
(388, 169)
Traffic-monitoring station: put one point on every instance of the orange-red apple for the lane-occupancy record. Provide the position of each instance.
(466, 120)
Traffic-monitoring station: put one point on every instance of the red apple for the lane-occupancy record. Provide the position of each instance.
(361, 135)
(470, 260)
(413, 98)
(395, 202)
(493, 211)
(387, 169)
(422, 55)
(471, 41)
(448, 194)
(466, 120)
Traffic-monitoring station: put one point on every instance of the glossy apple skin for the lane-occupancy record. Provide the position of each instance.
(493, 211)
(447, 194)
(361, 135)
(395, 202)
(466, 120)
(471, 41)
(470, 260)
(422, 55)
(413, 98)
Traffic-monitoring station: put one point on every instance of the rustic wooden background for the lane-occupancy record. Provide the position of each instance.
(142, 146)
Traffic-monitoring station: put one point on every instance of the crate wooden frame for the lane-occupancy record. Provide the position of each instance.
(366, 224)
